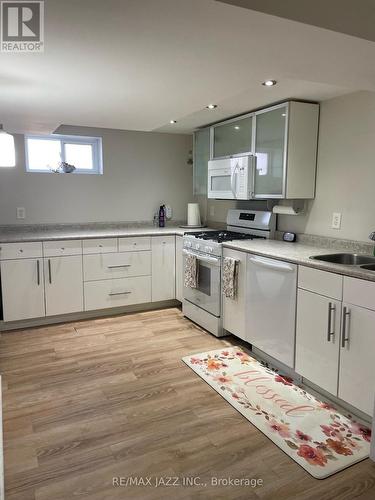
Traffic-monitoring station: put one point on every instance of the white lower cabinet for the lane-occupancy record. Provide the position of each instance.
(234, 310)
(179, 269)
(22, 289)
(117, 292)
(163, 268)
(63, 285)
(357, 368)
(318, 339)
(335, 339)
(116, 265)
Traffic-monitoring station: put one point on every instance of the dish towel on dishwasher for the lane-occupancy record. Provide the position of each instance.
(191, 272)
(230, 277)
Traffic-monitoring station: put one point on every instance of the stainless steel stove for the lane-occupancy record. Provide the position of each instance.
(203, 304)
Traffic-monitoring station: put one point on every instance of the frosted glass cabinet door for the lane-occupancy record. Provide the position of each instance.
(269, 150)
(201, 157)
(233, 138)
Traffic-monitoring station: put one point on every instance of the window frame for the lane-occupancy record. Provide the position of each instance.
(94, 142)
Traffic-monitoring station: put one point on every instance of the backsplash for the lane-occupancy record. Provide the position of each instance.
(351, 246)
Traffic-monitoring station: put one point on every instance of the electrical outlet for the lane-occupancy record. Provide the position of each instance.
(336, 220)
(21, 212)
(212, 211)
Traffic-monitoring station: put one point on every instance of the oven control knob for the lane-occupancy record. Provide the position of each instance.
(209, 249)
(188, 244)
(197, 246)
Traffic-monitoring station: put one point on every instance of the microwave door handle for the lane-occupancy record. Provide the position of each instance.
(234, 180)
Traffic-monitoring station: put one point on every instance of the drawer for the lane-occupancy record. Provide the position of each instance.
(117, 292)
(62, 247)
(102, 245)
(322, 282)
(132, 244)
(21, 250)
(359, 292)
(116, 265)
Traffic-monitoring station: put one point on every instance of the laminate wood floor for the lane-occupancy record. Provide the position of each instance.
(90, 401)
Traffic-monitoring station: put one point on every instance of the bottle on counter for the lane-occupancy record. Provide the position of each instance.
(161, 216)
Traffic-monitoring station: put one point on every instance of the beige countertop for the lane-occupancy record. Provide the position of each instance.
(22, 234)
(298, 253)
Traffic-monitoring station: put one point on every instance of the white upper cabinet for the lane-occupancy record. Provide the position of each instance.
(270, 145)
(233, 137)
(200, 162)
(283, 139)
(285, 150)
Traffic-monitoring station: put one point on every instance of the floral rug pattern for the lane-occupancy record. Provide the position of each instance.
(312, 432)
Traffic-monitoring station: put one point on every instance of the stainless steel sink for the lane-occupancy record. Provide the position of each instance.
(346, 259)
(369, 267)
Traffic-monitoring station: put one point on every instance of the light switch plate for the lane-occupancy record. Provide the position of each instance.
(212, 210)
(21, 212)
(336, 220)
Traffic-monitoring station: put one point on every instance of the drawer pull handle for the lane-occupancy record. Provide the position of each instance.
(118, 266)
(38, 272)
(118, 293)
(49, 272)
(345, 329)
(21, 250)
(330, 333)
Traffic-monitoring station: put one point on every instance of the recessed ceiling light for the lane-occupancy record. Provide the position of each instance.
(269, 83)
(211, 106)
(237, 127)
(283, 114)
(173, 121)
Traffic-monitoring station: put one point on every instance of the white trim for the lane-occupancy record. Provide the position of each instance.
(94, 142)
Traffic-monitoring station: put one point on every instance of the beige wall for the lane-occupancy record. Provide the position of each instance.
(141, 171)
(346, 170)
(345, 175)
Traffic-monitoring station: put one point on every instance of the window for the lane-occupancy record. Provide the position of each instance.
(56, 153)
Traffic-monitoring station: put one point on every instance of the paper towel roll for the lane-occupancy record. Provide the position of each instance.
(193, 218)
(285, 210)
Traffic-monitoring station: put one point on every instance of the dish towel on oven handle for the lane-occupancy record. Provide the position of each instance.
(191, 272)
(230, 277)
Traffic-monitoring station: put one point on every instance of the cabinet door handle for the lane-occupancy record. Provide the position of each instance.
(118, 293)
(345, 329)
(118, 266)
(330, 333)
(49, 272)
(38, 272)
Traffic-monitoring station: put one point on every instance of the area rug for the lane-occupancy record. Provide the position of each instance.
(312, 432)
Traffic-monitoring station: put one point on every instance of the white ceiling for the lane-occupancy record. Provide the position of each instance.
(136, 64)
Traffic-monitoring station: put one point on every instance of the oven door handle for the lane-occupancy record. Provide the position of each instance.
(207, 259)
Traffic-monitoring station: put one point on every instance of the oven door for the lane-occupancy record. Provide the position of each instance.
(207, 295)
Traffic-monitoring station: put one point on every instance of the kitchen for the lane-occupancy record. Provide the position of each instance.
(113, 312)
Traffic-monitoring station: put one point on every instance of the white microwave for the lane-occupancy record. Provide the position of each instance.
(231, 178)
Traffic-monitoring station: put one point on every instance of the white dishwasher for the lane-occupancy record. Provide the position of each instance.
(271, 307)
